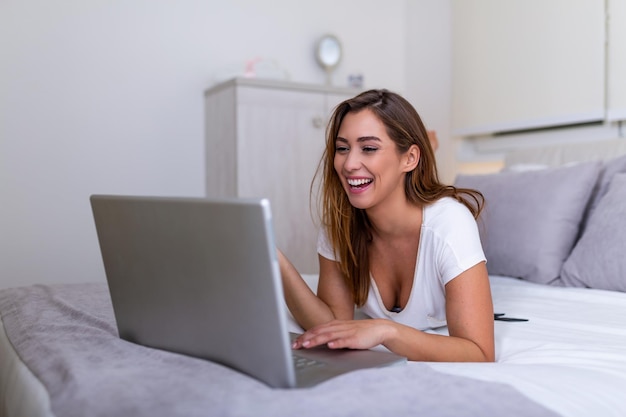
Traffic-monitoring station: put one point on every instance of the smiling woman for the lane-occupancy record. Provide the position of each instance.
(395, 241)
(366, 159)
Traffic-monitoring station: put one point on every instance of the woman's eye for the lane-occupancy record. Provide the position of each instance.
(369, 149)
(341, 149)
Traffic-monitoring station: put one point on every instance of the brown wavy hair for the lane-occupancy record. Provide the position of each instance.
(347, 227)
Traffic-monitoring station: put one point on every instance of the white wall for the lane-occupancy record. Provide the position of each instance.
(106, 96)
(429, 67)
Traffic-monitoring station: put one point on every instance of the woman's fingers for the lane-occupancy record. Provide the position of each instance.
(338, 334)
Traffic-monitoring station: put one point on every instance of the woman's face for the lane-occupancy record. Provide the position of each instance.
(367, 161)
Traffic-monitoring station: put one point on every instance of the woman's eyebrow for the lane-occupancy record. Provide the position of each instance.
(361, 139)
(368, 138)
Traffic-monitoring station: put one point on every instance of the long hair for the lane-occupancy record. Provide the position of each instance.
(347, 227)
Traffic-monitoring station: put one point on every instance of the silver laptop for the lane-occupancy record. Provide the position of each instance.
(201, 277)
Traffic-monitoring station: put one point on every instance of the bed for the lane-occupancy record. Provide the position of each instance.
(553, 259)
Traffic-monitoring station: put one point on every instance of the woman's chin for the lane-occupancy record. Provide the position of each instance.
(359, 202)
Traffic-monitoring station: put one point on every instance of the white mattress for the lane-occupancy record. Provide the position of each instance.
(21, 393)
(570, 356)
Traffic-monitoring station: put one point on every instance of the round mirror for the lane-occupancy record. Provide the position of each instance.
(328, 53)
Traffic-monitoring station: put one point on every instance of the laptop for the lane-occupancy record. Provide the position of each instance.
(200, 277)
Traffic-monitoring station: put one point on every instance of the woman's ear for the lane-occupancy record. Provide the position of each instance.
(411, 158)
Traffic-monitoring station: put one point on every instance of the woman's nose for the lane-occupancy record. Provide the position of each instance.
(352, 161)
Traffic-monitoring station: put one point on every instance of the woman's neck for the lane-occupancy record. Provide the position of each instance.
(396, 220)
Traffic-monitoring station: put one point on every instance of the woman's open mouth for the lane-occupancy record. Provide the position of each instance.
(359, 184)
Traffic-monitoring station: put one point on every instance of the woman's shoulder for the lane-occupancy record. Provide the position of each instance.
(447, 213)
(451, 224)
(446, 206)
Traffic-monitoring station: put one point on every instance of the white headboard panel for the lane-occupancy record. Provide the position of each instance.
(556, 155)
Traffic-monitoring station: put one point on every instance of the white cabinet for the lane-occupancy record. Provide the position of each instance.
(265, 139)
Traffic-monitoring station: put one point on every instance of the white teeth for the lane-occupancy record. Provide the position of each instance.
(358, 182)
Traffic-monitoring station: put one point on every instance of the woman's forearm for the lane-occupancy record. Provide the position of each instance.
(306, 307)
(421, 346)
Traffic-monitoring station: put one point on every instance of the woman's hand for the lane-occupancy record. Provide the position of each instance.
(351, 334)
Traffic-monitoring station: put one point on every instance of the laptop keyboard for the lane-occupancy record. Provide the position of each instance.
(300, 363)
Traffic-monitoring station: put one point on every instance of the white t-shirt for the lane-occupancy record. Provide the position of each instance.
(449, 245)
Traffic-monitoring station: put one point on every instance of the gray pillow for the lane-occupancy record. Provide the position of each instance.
(531, 219)
(609, 168)
(598, 259)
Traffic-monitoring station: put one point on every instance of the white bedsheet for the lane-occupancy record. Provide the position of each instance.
(571, 354)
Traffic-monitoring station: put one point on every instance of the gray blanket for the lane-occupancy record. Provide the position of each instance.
(66, 335)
